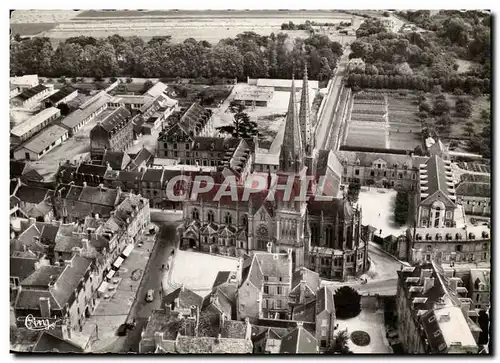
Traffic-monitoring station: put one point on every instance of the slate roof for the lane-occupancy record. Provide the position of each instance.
(436, 178)
(91, 169)
(97, 195)
(215, 144)
(186, 297)
(48, 342)
(279, 267)
(292, 140)
(33, 195)
(340, 206)
(305, 312)
(477, 178)
(328, 160)
(113, 120)
(252, 273)
(299, 341)
(130, 176)
(203, 345)
(310, 277)
(153, 175)
(59, 95)
(43, 276)
(222, 277)
(22, 267)
(142, 157)
(471, 189)
(17, 168)
(431, 326)
(325, 300)
(366, 159)
(118, 160)
(26, 95)
(31, 175)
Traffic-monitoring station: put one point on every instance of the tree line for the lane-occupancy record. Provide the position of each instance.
(472, 85)
(248, 54)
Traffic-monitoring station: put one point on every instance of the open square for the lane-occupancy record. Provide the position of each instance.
(197, 271)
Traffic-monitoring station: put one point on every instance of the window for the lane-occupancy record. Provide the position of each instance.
(324, 323)
(187, 146)
(458, 248)
(372, 173)
(279, 290)
(266, 278)
(400, 176)
(323, 343)
(477, 297)
(175, 146)
(228, 219)
(356, 172)
(437, 333)
(266, 289)
(429, 248)
(385, 173)
(448, 214)
(210, 216)
(425, 212)
(196, 214)
(278, 304)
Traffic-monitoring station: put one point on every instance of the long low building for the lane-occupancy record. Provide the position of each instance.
(27, 129)
(32, 95)
(42, 143)
(86, 112)
(64, 95)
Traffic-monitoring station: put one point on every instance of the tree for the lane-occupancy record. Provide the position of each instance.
(476, 92)
(353, 192)
(469, 129)
(64, 109)
(340, 344)
(463, 107)
(242, 126)
(146, 86)
(440, 107)
(401, 208)
(347, 302)
(424, 107)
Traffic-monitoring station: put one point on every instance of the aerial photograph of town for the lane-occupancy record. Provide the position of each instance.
(250, 181)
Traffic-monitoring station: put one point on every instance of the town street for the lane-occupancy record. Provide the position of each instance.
(151, 280)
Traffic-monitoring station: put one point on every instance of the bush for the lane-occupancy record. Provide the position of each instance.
(458, 92)
(146, 86)
(401, 208)
(347, 302)
(353, 192)
(476, 92)
(113, 79)
(62, 80)
(98, 79)
(74, 80)
(129, 80)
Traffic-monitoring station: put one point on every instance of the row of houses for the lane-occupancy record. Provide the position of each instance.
(264, 307)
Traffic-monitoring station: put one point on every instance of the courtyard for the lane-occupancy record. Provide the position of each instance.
(196, 271)
(378, 210)
(371, 321)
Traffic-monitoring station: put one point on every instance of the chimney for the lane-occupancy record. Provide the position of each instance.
(44, 304)
(423, 274)
(445, 317)
(465, 306)
(85, 243)
(453, 283)
(428, 284)
(176, 303)
(84, 184)
(182, 288)
(158, 338)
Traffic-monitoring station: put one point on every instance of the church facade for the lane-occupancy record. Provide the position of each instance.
(322, 234)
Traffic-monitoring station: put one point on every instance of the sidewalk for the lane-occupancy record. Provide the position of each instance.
(110, 314)
(373, 244)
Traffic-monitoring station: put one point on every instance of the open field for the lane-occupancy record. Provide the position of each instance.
(28, 29)
(385, 121)
(201, 25)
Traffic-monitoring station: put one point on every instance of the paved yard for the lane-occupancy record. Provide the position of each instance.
(378, 210)
(197, 271)
(371, 321)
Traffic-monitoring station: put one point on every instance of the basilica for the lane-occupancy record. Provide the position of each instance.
(322, 234)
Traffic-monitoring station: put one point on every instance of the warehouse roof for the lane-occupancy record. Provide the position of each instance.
(34, 121)
(85, 110)
(62, 93)
(26, 95)
(47, 137)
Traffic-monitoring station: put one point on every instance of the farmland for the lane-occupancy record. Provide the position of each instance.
(383, 121)
(201, 25)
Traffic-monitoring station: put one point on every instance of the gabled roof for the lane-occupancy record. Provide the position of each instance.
(299, 341)
(130, 176)
(186, 297)
(471, 189)
(26, 95)
(275, 264)
(98, 195)
(310, 277)
(115, 119)
(91, 169)
(17, 168)
(325, 301)
(153, 175)
(118, 160)
(33, 195)
(62, 93)
(44, 139)
(252, 273)
(437, 181)
(305, 312)
(22, 267)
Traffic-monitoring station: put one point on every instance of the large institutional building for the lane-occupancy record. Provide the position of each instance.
(324, 236)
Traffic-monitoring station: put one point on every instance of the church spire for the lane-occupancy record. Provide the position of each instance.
(304, 115)
(291, 149)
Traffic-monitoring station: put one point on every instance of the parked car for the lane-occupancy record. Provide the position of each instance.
(392, 333)
(150, 295)
(122, 330)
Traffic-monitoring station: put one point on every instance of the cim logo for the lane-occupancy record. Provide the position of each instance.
(33, 323)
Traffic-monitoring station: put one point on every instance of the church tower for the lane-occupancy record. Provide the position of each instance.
(305, 116)
(292, 154)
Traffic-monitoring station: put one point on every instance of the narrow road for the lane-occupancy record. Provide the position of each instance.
(325, 124)
(152, 280)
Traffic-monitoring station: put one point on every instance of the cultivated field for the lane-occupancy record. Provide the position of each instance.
(386, 121)
(201, 25)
